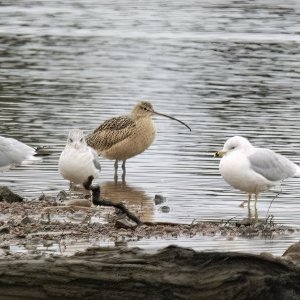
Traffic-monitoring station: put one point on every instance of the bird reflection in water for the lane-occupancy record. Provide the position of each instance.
(135, 199)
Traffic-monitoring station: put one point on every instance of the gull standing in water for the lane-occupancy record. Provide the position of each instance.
(14, 152)
(253, 170)
(123, 137)
(78, 162)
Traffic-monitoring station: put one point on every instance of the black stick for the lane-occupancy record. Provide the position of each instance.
(96, 201)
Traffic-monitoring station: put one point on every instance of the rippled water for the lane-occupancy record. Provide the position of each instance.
(223, 67)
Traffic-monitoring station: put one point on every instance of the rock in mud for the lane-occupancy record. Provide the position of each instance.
(61, 196)
(165, 209)
(293, 253)
(4, 230)
(159, 199)
(7, 195)
(125, 223)
(26, 220)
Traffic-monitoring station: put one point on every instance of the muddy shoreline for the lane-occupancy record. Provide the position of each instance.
(46, 221)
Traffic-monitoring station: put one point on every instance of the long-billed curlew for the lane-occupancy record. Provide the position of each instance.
(253, 170)
(123, 137)
(78, 162)
(14, 152)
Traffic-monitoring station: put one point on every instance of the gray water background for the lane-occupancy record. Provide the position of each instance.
(223, 67)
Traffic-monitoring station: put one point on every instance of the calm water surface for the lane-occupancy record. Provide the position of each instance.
(223, 67)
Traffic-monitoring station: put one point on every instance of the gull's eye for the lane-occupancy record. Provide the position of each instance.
(81, 140)
(71, 140)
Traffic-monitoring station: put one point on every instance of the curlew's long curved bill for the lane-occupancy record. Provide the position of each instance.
(160, 114)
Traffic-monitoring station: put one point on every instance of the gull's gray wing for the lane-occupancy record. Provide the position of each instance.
(96, 160)
(271, 165)
(13, 152)
(5, 153)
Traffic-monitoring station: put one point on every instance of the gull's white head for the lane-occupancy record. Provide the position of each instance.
(76, 139)
(233, 144)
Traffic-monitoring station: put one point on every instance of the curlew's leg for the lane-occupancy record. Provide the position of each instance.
(124, 170)
(249, 208)
(116, 165)
(116, 171)
(256, 214)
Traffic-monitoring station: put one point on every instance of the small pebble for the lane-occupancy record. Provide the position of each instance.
(159, 199)
(126, 224)
(26, 220)
(61, 196)
(4, 230)
(165, 209)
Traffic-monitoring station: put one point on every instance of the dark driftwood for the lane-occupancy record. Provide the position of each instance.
(97, 201)
(173, 273)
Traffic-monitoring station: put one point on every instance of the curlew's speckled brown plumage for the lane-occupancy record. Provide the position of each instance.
(123, 137)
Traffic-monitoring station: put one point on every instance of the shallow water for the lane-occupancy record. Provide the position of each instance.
(223, 67)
